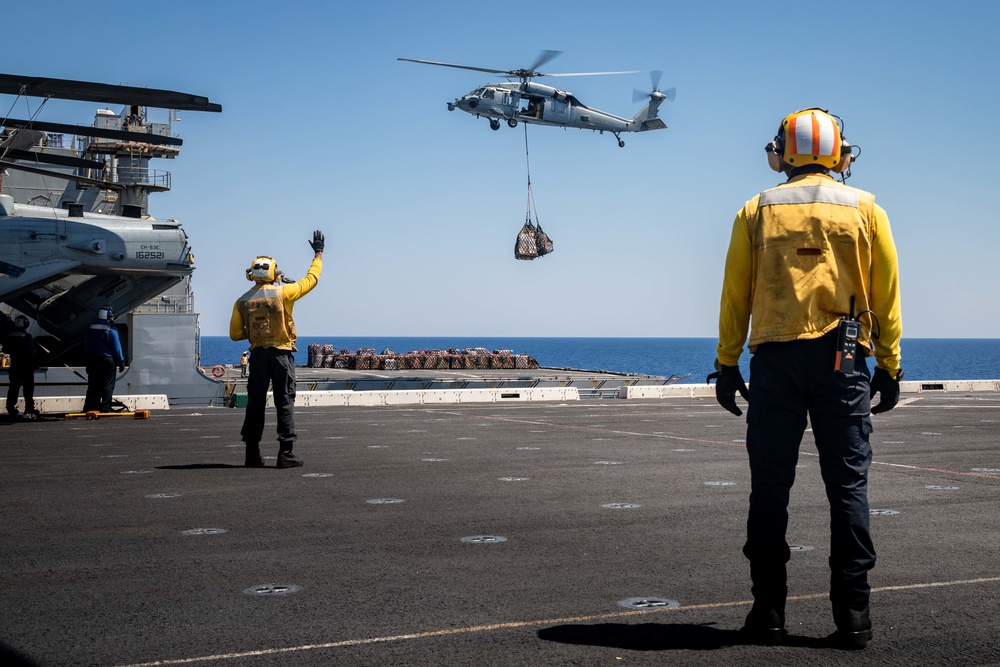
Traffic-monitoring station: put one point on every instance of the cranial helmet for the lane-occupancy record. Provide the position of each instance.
(263, 269)
(809, 137)
(20, 322)
(106, 313)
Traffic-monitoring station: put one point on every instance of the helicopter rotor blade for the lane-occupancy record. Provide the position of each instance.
(543, 57)
(475, 69)
(633, 71)
(654, 78)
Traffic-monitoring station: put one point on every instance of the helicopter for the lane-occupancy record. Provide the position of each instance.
(533, 103)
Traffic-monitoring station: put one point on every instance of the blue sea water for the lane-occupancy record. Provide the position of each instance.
(923, 358)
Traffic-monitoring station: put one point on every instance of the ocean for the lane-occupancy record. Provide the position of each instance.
(690, 358)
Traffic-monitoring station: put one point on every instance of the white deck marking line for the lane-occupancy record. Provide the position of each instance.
(521, 624)
(731, 444)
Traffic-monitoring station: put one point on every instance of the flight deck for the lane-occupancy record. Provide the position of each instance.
(602, 532)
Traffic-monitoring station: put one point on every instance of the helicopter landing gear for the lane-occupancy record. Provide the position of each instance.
(512, 122)
(621, 144)
(494, 124)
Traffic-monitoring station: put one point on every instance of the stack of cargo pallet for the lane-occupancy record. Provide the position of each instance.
(365, 359)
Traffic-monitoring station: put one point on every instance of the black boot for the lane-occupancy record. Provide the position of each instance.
(288, 460)
(253, 458)
(854, 628)
(765, 624)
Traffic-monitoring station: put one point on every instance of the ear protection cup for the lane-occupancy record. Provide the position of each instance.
(846, 157)
(774, 155)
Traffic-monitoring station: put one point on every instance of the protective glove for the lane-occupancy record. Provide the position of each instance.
(729, 380)
(318, 241)
(887, 387)
(121, 367)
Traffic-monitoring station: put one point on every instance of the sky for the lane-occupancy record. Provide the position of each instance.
(323, 128)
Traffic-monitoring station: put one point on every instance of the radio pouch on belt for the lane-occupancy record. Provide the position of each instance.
(847, 345)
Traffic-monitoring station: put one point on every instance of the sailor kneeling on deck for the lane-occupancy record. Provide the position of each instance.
(264, 317)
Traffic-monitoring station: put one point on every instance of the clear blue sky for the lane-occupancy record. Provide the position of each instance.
(323, 128)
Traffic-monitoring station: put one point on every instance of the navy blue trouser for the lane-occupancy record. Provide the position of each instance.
(21, 375)
(100, 384)
(789, 381)
(270, 366)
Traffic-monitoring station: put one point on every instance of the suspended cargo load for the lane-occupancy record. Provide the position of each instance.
(526, 246)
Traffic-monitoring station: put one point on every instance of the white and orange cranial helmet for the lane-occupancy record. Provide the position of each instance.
(262, 270)
(809, 137)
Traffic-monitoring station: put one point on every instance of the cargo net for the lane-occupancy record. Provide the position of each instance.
(531, 241)
(365, 359)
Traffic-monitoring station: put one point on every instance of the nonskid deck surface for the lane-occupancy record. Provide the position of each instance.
(146, 542)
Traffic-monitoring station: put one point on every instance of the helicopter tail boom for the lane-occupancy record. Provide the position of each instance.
(647, 118)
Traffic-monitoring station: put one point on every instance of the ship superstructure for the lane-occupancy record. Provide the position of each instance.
(76, 232)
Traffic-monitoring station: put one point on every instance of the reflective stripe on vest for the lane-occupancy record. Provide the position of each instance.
(809, 194)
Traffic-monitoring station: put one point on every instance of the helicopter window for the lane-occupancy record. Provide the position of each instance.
(534, 108)
(488, 93)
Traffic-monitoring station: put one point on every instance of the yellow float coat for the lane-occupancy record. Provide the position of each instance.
(798, 253)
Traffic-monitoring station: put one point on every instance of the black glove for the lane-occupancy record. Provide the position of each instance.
(317, 243)
(729, 380)
(887, 387)
(121, 367)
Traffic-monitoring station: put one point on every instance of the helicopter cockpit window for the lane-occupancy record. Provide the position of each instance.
(488, 93)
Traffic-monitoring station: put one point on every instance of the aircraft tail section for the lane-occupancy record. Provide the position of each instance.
(647, 118)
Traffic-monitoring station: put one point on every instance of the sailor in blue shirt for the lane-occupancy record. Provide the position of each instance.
(103, 351)
(20, 345)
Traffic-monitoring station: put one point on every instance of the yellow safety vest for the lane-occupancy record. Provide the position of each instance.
(799, 252)
(265, 319)
(811, 252)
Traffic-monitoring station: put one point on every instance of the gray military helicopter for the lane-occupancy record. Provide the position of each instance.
(75, 232)
(533, 103)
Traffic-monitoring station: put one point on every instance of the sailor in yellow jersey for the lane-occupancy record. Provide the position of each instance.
(264, 316)
(810, 263)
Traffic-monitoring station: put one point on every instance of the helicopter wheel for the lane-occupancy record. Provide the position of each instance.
(621, 144)
(511, 122)
(494, 124)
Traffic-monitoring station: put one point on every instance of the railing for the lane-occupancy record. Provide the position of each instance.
(154, 178)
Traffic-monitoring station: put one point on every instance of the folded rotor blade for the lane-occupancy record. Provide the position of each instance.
(52, 158)
(85, 131)
(5, 164)
(66, 89)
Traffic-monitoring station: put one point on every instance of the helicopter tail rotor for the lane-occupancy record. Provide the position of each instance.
(655, 93)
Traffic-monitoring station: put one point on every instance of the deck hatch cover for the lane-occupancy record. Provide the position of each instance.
(272, 590)
(648, 603)
(484, 539)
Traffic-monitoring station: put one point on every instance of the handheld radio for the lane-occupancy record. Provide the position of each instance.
(847, 343)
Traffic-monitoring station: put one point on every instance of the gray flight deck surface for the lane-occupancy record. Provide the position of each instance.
(599, 501)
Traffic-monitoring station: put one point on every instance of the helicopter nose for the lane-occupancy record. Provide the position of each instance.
(451, 106)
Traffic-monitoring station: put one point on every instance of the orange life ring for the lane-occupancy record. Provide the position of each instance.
(218, 370)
